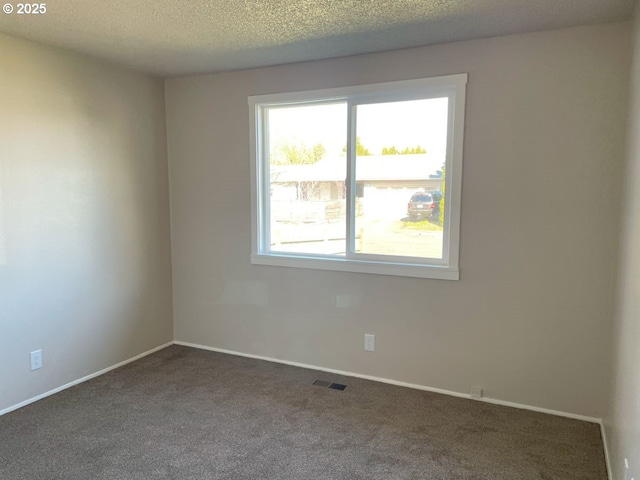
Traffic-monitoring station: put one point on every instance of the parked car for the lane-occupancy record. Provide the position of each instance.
(425, 205)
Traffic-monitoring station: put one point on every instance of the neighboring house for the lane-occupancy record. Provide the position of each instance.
(324, 180)
(313, 192)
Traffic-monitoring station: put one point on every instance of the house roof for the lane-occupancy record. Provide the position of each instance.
(417, 167)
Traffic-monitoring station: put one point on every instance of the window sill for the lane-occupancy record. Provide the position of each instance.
(358, 266)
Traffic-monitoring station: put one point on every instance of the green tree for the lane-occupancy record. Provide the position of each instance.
(361, 150)
(318, 152)
(407, 151)
(297, 154)
(390, 151)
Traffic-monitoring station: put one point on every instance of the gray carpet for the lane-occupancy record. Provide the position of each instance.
(184, 414)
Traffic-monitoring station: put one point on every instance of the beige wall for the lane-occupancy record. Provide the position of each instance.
(530, 320)
(623, 420)
(85, 270)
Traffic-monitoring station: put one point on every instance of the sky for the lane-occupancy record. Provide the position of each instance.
(399, 124)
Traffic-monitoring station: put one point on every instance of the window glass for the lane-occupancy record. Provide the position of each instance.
(400, 156)
(307, 172)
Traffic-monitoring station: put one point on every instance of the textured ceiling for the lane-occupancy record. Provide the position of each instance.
(173, 37)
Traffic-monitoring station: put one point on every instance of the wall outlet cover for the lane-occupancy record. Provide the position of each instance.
(369, 342)
(36, 360)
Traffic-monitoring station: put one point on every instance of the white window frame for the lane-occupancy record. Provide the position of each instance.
(447, 268)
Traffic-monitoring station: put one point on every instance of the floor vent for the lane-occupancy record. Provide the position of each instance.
(333, 386)
(337, 386)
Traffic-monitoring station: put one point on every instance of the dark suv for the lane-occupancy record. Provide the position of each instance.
(424, 205)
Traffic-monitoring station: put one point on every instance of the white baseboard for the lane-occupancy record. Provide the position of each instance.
(607, 458)
(322, 369)
(80, 380)
(395, 382)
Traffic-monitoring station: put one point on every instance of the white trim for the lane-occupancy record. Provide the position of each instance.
(395, 382)
(329, 370)
(453, 195)
(548, 411)
(255, 137)
(361, 91)
(452, 87)
(350, 182)
(357, 266)
(607, 458)
(81, 380)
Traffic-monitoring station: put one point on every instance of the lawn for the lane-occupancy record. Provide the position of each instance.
(422, 225)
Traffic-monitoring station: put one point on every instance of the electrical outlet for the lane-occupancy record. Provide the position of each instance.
(369, 342)
(36, 360)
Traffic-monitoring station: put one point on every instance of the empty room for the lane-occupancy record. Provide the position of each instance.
(320, 239)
